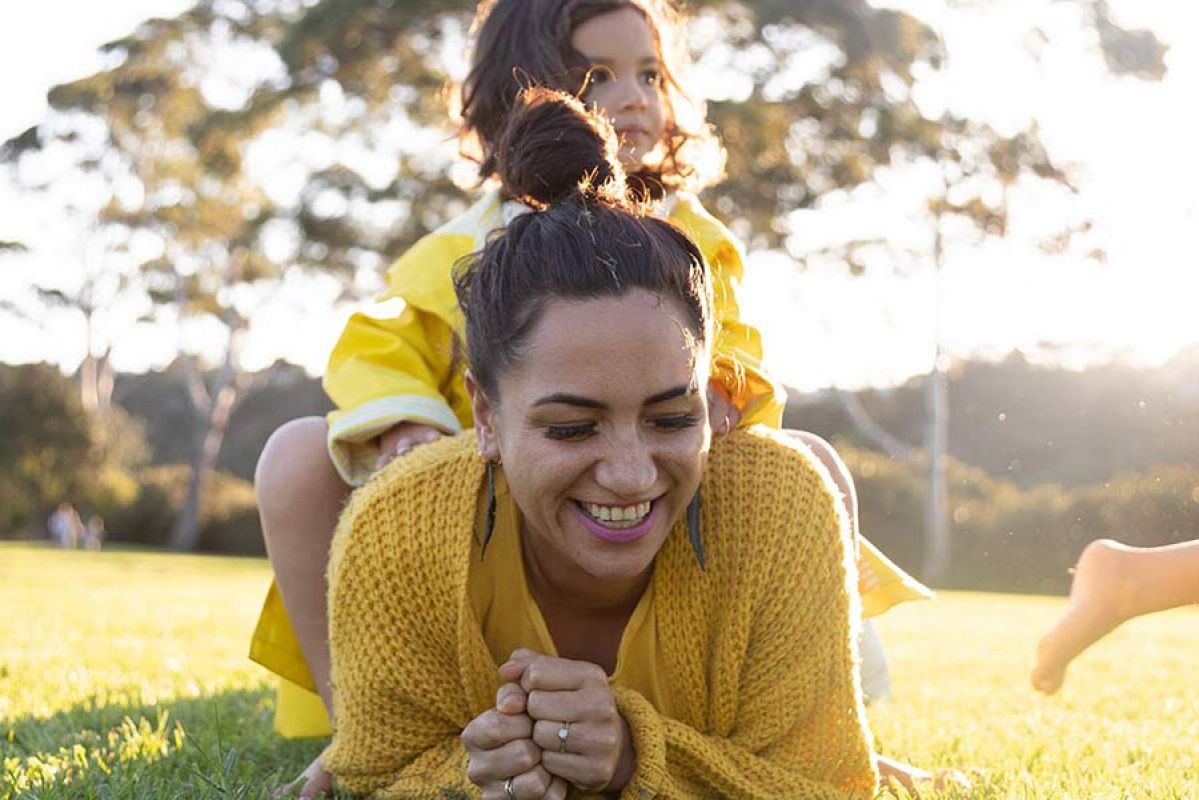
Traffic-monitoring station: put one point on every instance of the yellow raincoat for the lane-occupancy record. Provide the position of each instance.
(386, 371)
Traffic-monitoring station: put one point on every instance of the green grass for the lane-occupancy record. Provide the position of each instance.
(123, 675)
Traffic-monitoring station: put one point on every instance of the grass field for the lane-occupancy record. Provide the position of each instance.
(123, 675)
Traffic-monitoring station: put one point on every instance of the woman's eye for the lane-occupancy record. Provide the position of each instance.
(679, 422)
(569, 432)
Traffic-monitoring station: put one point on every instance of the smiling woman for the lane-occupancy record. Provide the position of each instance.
(538, 607)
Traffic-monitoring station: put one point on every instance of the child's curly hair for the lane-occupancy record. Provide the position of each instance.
(522, 43)
(586, 237)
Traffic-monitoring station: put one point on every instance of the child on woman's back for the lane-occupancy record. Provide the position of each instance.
(398, 383)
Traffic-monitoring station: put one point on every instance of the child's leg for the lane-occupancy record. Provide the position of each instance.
(300, 496)
(875, 673)
(1113, 583)
(874, 658)
(836, 470)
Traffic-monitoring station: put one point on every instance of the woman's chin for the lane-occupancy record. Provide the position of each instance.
(611, 552)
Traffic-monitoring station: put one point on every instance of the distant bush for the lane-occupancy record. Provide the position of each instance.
(228, 515)
(54, 451)
(1010, 539)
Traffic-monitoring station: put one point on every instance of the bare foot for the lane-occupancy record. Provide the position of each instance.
(315, 781)
(1099, 601)
(913, 778)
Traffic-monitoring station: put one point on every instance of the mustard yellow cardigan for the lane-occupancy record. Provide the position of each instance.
(385, 371)
(760, 646)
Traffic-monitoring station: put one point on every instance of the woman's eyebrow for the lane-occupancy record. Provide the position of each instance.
(670, 394)
(567, 399)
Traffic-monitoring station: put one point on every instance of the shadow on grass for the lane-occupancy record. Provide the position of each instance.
(216, 746)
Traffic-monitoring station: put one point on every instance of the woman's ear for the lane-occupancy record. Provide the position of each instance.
(484, 414)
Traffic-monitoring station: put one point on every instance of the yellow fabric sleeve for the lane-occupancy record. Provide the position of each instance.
(386, 371)
(737, 351)
(883, 584)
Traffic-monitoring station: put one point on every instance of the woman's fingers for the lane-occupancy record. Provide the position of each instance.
(591, 703)
(510, 699)
(512, 759)
(577, 738)
(585, 756)
(575, 723)
(549, 674)
(493, 729)
(557, 790)
(536, 784)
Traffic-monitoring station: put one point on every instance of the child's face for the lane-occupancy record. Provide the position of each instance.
(626, 82)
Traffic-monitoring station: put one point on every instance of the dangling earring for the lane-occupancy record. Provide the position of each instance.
(693, 530)
(489, 524)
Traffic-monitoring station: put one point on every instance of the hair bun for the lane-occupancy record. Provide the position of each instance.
(553, 148)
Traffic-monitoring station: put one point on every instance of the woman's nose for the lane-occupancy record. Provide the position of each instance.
(627, 469)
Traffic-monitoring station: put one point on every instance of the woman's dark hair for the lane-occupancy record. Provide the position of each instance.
(584, 238)
(524, 43)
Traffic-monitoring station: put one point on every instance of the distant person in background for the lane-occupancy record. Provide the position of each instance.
(1114, 582)
(94, 533)
(65, 526)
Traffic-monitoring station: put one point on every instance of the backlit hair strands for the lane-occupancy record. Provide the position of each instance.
(587, 239)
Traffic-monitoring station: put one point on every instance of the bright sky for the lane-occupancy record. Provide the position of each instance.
(1138, 169)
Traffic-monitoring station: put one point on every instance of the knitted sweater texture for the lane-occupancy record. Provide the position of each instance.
(760, 645)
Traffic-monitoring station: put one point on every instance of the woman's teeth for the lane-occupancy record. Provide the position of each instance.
(617, 516)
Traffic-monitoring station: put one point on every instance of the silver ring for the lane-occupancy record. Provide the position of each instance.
(508, 789)
(563, 732)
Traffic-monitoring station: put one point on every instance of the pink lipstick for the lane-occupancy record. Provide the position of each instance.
(619, 535)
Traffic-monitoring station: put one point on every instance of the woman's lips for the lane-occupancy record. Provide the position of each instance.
(619, 535)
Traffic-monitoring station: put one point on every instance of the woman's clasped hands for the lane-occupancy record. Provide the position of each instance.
(555, 724)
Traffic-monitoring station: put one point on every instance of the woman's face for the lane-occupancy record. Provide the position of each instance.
(626, 79)
(603, 432)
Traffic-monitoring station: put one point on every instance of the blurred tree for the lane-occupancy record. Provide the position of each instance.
(169, 157)
(249, 140)
(47, 443)
(55, 451)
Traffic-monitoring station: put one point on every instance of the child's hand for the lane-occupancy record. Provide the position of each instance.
(399, 439)
(723, 415)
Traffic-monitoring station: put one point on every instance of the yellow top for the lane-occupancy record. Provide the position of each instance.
(510, 618)
(760, 651)
(385, 371)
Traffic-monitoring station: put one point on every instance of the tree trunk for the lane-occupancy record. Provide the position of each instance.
(214, 410)
(105, 382)
(87, 369)
(870, 428)
(937, 550)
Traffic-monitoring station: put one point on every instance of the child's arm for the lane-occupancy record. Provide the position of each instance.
(384, 372)
(737, 351)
